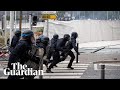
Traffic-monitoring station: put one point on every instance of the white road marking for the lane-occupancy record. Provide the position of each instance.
(62, 72)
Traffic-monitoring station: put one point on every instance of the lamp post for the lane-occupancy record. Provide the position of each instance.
(11, 24)
(5, 27)
(20, 23)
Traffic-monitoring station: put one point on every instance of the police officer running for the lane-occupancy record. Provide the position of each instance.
(56, 55)
(15, 40)
(20, 52)
(52, 46)
(42, 42)
(69, 46)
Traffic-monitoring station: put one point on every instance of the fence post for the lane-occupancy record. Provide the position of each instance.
(41, 69)
(41, 63)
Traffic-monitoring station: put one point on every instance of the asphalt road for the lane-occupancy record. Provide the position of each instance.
(84, 69)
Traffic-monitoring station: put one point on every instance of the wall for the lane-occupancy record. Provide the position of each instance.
(89, 30)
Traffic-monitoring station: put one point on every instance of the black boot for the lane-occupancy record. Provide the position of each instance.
(49, 71)
(46, 64)
(56, 66)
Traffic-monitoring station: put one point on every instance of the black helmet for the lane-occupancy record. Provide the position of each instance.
(55, 36)
(74, 34)
(27, 34)
(17, 32)
(44, 39)
(67, 37)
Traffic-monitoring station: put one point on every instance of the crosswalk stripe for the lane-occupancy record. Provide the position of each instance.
(77, 68)
(59, 77)
(62, 72)
(74, 62)
(65, 66)
(53, 77)
(66, 71)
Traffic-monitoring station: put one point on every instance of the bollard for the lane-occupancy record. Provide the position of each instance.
(41, 70)
(41, 52)
(77, 54)
(102, 71)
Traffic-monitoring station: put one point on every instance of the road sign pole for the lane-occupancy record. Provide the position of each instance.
(5, 26)
(46, 15)
(11, 25)
(30, 22)
(15, 20)
(47, 27)
(20, 23)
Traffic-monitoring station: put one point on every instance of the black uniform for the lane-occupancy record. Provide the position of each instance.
(52, 46)
(21, 53)
(60, 47)
(15, 40)
(69, 46)
(42, 42)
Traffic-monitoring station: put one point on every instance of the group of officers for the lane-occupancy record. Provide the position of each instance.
(57, 48)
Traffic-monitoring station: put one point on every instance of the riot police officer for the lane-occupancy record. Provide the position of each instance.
(15, 40)
(69, 46)
(60, 47)
(20, 52)
(42, 42)
(52, 46)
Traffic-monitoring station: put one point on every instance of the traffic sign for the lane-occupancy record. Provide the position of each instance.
(49, 16)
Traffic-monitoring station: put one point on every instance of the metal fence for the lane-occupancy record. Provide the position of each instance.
(99, 15)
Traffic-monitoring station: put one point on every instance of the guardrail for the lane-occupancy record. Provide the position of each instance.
(103, 64)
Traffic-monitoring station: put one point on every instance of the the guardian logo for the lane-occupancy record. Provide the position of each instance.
(19, 69)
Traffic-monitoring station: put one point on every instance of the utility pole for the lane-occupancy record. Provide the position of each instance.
(47, 27)
(15, 20)
(30, 21)
(20, 23)
(2, 24)
(5, 27)
(11, 24)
